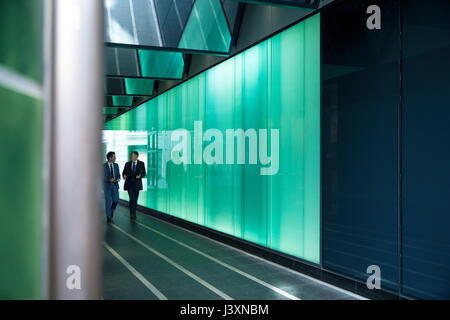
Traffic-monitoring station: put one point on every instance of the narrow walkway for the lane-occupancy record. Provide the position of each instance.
(152, 259)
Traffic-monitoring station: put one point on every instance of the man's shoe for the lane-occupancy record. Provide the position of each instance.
(109, 221)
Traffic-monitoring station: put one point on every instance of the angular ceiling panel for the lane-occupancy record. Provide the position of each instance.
(139, 87)
(129, 87)
(114, 86)
(231, 9)
(207, 28)
(109, 111)
(161, 64)
(122, 61)
(131, 22)
(203, 26)
(313, 4)
(172, 17)
(155, 64)
(122, 101)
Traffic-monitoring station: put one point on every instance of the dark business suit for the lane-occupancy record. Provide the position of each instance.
(110, 189)
(133, 185)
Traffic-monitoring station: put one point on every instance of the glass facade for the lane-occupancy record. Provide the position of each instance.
(21, 128)
(244, 131)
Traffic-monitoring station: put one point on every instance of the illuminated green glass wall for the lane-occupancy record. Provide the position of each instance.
(21, 110)
(273, 85)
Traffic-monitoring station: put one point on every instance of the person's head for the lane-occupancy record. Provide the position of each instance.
(111, 156)
(134, 155)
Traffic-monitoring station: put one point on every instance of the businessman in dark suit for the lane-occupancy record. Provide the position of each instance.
(133, 172)
(111, 174)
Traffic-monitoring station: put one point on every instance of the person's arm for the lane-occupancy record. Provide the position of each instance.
(124, 175)
(105, 174)
(118, 169)
(143, 173)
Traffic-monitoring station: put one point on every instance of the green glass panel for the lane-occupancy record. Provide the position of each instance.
(122, 101)
(220, 199)
(110, 111)
(21, 118)
(207, 28)
(263, 189)
(295, 189)
(20, 197)
(161, 64)
(255, 84)
(21, 42)
(139, 86)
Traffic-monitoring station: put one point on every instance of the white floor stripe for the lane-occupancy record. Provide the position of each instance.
(242, 273)
(19, 83)
(136, 273)
(264, 260)
(176, 265)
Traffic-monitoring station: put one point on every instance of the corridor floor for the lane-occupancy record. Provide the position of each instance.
(152, 259)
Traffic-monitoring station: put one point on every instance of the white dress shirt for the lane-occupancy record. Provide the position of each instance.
(111, 165)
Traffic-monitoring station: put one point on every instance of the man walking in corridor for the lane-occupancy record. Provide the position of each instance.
(111, 178)
(133, 173)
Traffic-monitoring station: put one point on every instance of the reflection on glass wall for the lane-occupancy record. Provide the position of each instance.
(237, 148)
(360, 150)
(21, 131)
(386, 155)
(426, 155)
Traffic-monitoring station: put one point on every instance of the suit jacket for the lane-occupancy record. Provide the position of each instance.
(107, 175)
(131, 182)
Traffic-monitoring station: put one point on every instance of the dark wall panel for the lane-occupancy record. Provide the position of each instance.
(361, 94)
(426, 151)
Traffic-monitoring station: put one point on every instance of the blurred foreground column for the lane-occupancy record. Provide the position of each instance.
(76, 91)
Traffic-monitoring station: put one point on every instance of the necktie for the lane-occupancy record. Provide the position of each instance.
(111, 169)
(134, 167)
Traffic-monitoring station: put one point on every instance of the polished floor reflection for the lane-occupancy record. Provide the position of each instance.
(152, 259)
